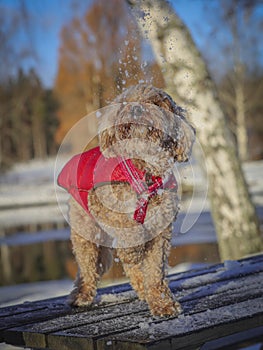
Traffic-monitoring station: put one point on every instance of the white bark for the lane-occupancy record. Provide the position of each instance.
(189, 83)
(241, 129)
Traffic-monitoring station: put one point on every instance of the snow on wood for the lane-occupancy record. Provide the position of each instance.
(217, 301)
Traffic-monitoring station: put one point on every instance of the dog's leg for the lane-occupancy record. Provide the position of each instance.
(135, 275)
(158, 294)
(87, 256)
(133, 270)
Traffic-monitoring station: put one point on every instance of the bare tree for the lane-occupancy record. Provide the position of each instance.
(236, 48)
(101, 54)
(189, 83)
(96, 51)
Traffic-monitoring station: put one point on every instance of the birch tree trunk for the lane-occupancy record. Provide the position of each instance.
(241, 129)
(38, 136)
(188, 82)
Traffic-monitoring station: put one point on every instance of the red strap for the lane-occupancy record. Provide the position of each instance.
(136, 178)
(140, 211)
(142, 205)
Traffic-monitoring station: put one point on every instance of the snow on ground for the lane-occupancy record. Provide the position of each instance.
(24, 238)
(29, 183)
(32, 184)
(27, 194)
(4, 346)
(31, 215)
(22, 293)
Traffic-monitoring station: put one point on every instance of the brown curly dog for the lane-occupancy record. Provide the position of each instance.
(123, 195)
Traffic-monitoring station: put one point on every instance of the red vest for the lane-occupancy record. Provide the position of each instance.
(91, 169)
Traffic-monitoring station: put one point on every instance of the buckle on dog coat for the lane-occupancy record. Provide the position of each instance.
(138, 182)
(91, 169)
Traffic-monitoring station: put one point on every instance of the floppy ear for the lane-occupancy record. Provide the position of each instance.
(107, 139)
(106, 129)
(185, 141)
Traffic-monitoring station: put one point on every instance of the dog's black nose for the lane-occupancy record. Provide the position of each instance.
(137, 111)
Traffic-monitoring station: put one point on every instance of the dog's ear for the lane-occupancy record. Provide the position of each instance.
(185, 136)
(107, 139)
(106, 129)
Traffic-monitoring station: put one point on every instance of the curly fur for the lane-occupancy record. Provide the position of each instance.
(142, 113)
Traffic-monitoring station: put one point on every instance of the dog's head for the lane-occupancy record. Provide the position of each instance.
(146, 125)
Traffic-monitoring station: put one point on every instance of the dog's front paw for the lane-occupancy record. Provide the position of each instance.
(79, 298)
(165, 307)
(79, 301)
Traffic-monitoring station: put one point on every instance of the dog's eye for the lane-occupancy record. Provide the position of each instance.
(168, 143)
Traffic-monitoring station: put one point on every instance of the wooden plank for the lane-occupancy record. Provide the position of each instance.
(39, 330)
(190, 307)
(241, 288)
(93, 331)
(189, 332)
(51, 322)
(34, 312)
(235, 341)
(176, 281)
(28, 306)
(110, 290)
(25, 313)
(69, 343)
(226, 292)
(221, 272)
(41, 312)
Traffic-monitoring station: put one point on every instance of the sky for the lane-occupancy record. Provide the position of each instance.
(47, 17)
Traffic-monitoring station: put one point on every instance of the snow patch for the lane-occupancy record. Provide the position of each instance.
(117, 297)
(231, 264)
(98, 114)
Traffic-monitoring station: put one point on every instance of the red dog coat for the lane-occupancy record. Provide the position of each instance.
(91, 169)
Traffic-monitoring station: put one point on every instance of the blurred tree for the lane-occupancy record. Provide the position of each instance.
(28, 119)
(27, 110)
(51, 121)
(16, 46)
(254, 86)
(239, 43)
(251, 108)
(189, 83)
(100, 54)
